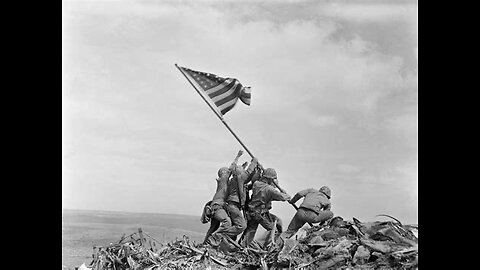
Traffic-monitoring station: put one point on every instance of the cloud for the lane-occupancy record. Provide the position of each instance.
(405, 127)
(325, 120)
(348, 169)
(351, 68)
(409, 175)
(373, 12)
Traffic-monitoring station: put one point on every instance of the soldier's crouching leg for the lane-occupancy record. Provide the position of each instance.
(214, 225)
(268, 221)
(239, 224)
(296, 223)
(221, 217)
(224, 219)
(249, 233)
(323, 216)
(272, 218)
(214, 240)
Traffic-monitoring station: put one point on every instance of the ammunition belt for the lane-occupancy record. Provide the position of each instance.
(259, 208)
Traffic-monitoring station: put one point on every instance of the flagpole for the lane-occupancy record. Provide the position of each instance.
(228, 127)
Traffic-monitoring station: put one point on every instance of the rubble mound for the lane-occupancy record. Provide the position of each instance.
(340, 244)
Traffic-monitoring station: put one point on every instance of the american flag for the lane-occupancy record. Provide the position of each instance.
(224, 92)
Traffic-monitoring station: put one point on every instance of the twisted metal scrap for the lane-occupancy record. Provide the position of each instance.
(133, 253)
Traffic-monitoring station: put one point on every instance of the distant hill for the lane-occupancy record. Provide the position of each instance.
(83, 229)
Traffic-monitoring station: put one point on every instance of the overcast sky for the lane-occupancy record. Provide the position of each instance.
(334, 102)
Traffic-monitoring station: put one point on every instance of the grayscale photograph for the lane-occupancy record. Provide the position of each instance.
(242, 134)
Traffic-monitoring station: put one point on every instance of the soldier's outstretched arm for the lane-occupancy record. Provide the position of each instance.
(277, 195)
(251, 167)
(250, 171)
(234, 163)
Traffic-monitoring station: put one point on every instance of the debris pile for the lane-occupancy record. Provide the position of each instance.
(340, 244)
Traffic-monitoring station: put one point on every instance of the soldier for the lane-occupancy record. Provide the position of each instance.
(236, 197)
(220, 222)
(315, 208)
(263, 193)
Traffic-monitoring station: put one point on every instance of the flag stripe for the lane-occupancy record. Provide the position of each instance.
(222, 91)
(225, 100)
(230, 92)
(227, 105)
(224, 111)
(246, 95)
(218, 87)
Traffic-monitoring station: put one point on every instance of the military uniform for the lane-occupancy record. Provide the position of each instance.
(220, 222)
(236, 197)
(315, 208)
(259, 210)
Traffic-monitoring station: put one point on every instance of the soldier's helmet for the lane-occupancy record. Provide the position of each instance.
(222, 171)
(326, 190)
(270, 173)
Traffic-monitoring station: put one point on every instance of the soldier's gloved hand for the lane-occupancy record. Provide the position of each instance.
(259, 165)
(244, 165)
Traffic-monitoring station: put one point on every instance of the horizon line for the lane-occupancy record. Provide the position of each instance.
(129, 212)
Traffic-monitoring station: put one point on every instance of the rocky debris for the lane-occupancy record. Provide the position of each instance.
(361, 255)
(339, 244)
